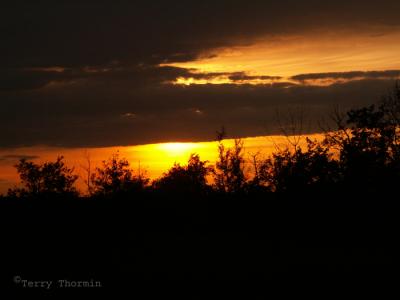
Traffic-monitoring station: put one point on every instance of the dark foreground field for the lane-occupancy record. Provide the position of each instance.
(123, 242)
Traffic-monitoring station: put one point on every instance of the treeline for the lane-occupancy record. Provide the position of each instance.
(362, 154)
(323, 210)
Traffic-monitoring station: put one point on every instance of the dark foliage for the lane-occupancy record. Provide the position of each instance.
(190, 179)
(229, 174)
(368, 145)
(298, 170)
(116, 177)
(50, 178)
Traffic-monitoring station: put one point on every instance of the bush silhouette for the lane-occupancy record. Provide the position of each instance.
(116, 177)
(50, 178)
(229, 174)
(367, 140)
(299, 169)
(189, 179)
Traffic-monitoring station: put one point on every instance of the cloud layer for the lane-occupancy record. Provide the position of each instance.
(88, 73)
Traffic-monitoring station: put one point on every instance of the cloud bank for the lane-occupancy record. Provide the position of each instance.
(88, 73)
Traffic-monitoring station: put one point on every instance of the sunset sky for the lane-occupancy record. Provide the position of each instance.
(104, 75)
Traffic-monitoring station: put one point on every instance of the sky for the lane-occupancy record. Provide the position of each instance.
(90, 74)
(150, 160)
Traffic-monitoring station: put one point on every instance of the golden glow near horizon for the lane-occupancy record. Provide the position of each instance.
(222, 80)
(174, 149)
(153, 159)
(375, 50)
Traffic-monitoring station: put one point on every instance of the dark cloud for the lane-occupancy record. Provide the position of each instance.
(87, 73)
(14, 79)
(12, 157)
(348, 75)
(95, 33)
(19, 79)
(95, 112)
(242, 76)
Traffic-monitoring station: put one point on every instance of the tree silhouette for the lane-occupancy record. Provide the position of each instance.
(116, 177)
(48, 178)
(229, 174)
(189, 179)
(299, 169)
(87, 169)
(368, 144)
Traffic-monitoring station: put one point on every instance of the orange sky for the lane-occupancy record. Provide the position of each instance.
(154, 158)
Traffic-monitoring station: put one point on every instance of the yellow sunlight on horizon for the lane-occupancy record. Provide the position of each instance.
(153, 159)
